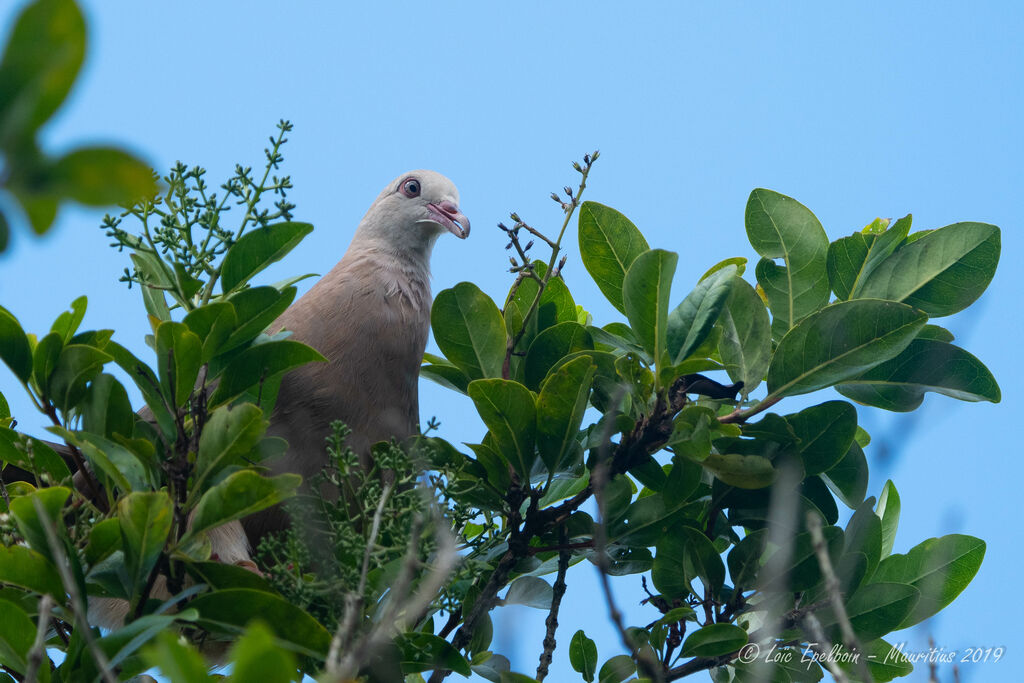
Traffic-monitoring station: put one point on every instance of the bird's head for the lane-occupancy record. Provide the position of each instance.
(412, 211)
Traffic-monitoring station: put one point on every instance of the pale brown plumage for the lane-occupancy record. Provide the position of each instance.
(370, 317)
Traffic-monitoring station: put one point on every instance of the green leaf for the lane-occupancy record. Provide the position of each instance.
(43, 458)
(942, 272)
(100, 176)
(234, 608)
(739, 261)
(714, 640)
(852, 259)
(42, 58)
(31, 526)
(106, 409)
(229, 437)
(121, 646)
(146, 520)
(255, 309)
(257, 249)
(17, 633)
(41, 209)
(780, 227)
(849, 477)
(469, 330)
(213, 324)
(839, 342)
(888, 510)
(609, 243)
(424, 651)
(864, 535)
(646, 288)
(900, 383)
(178, 358)
(616, 669)
(104, 538)
(560, 406)
(258, 364)
(14, 347)
(257, 658)
(683, 556)
(885, 662)
(176, 660)
(67, 322)
(551, 346)
(692, 320)
(447, 375)
(530, 591)
(76, 366)
(825, 432)
(126, 469)
(940, 568)
(509, 411)
(583, 655)
(147, 383)
(239, 495)
(741, 471)
(745, 346)
(31, 570)
(876, 609)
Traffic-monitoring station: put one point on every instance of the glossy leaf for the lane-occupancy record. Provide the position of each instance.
(864, 535)
(259, 364)
(31, 570)
(509, 411)
(942, 272)
(899, 384)
(67, 322)
(876, 609)
(780, 227)
(424, 651)
(741, 471)
(745, 345)
(234, 608)
(852, 259)
(31, 525)
(76, 366)
(14, 348)
(682, 557)
(107, 409)
(255, 309)
(551, 346)
(714, 640)
(888, 510)
(179, 355)
(583, 655)
(646, 288)
(530, 591)
(146, 519)
(213, 324)
(256, 657)
(940, 568)
(176, 660)
(228, 438)
(560, 406)
(469, 330)
(609, 243)
(692, 320)
(257, 249)
(825, 432)
(839, 342)
(616, 669)
(239, 495)
(849, 477)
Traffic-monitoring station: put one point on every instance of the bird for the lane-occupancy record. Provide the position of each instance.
(369, 316)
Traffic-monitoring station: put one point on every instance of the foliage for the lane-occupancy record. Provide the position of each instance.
(725, 504)
(39, 65)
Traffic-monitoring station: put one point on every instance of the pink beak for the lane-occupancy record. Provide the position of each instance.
(450, 217)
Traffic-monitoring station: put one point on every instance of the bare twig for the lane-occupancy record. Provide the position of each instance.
(38, 651)
(551, 623)
(820, 644)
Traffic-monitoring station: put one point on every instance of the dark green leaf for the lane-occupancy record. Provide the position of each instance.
(899, 384)
(550, 347)
(17, 632)
(100, 176)
(741, 471)
(530, 591)
(780, 227)
(469, 330)
(745, 345)
(42, 58)
(76, 366)
(646, 288)
(852, 259)
(885, 662)
(146, 520)
(825, 432)
(864, 535)
(14, 347)
(106, 409)
(691, 321)
(31, 525)
(255, 309)
(876, 609)
(24, 567)
(178, 357)
(260, 363)
(684, 556)
(616, 669)
(423, 651)
(213, 324)
(942, 272)
(67, 322)
(560, 407)
(583, 655)
(714, 640)
(839, 342)
(175, 659)
(940, 568)
(849, 477)
(42, 458)
(104, 538)
(509, 411)
(609, 243)
(257, 249)
(234, 608)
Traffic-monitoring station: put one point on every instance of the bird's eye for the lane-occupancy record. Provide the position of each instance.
(411, 188)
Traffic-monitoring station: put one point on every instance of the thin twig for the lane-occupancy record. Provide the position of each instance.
(551, 623)
(821, 645)
(38, 651)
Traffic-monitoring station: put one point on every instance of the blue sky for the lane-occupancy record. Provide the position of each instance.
(882, 110)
